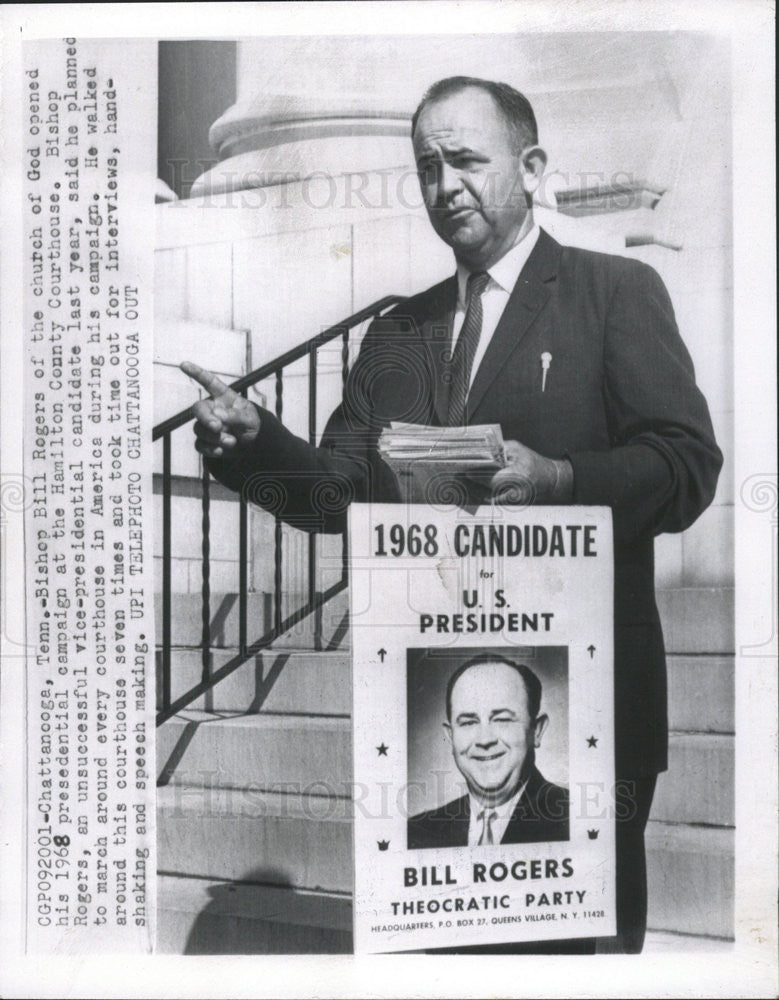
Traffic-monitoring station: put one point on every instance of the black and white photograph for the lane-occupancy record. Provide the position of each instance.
(388, 495)
(601, 353)
(499, 718)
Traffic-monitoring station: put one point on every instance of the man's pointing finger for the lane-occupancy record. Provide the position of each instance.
(213, 385)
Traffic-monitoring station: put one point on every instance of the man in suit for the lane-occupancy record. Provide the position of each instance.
(575, 354)
(494, 725)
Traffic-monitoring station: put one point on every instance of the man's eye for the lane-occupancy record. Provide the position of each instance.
(467, 722)
(427, 173)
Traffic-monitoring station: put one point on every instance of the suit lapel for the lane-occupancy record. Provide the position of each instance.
(524, 823)
(462, 822)
(530, 295)
(436, 332)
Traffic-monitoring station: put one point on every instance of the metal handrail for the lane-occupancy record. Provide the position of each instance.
(314, 600)
(283, 360)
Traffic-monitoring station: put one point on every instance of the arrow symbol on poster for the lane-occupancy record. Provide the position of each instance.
(591, 651)
(382, 654)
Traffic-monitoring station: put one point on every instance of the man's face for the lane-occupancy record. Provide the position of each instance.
(491, 731)
(472, 177)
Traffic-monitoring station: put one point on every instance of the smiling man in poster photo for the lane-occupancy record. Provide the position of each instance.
(614, 416)
(495, 725)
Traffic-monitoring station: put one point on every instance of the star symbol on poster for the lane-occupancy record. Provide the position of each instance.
(383, 748)
(592, 741)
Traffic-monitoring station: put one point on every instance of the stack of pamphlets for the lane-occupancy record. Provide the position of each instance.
(442, 464)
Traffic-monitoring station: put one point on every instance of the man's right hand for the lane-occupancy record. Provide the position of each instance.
(224, 421)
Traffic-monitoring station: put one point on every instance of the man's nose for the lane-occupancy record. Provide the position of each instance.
(486, 736)
(449, 182)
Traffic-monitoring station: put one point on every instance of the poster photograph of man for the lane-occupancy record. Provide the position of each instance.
(392, 490)
(495, 721)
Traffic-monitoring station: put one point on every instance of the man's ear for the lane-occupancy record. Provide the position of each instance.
(532, 163)
(448, 728)
(542, 721)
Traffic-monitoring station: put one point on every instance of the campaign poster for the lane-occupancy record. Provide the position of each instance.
(483, 725)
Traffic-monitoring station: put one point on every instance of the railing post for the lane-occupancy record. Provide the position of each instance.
(277, 533)
(243, 584)
(205, 642)
(166, 574)
(312, 536)
(344, 376)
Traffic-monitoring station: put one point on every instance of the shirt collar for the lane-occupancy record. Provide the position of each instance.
(504, 810)
(506, 271)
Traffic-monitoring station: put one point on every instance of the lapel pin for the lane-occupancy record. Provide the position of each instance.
(546, 362)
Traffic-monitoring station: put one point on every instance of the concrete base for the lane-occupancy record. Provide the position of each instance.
(663, 943)
(205, 917)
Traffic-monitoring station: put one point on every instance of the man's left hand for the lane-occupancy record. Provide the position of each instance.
(530, 478)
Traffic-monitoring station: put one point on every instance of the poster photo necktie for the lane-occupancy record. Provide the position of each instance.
(465, 349)
(486, 816)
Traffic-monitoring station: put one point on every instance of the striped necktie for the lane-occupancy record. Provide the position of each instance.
(486, 818)
(465, 349)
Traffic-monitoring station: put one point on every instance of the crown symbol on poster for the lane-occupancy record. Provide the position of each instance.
(383, 845)
(592, 834)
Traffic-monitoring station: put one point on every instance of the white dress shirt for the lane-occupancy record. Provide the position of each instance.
(503, 815)
(503, 277)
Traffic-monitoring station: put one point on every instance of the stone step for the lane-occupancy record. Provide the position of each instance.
(691, 892)
(291, 753)
(275, 680)
(697, 619)
(701, 693)
(690, 873)
(664, 942)
(187, 620)
(221, 833)
(216, 917)
(691, 879)
(698, 786)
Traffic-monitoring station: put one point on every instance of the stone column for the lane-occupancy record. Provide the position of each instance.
(270, 140)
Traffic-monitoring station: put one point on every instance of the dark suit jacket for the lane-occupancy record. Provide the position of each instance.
(620, 403)
(541, 814)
